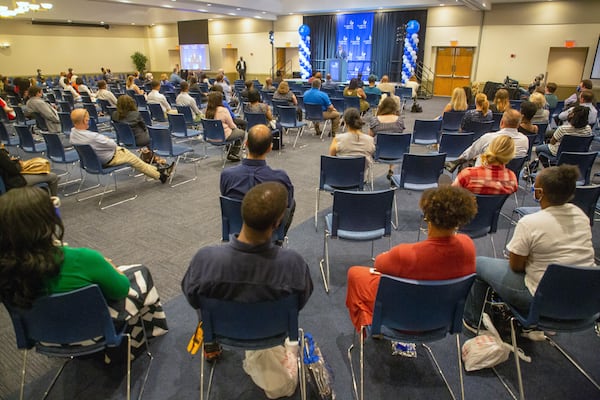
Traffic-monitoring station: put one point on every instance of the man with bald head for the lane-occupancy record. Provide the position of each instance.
(238, 180)
(109, 153)
(508, 126)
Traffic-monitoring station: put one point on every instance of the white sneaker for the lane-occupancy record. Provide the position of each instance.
(535, 335)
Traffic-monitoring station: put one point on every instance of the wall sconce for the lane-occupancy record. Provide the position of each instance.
(4, 45)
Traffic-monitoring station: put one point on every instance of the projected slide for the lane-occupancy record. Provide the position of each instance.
(596, 67)
(194, 56)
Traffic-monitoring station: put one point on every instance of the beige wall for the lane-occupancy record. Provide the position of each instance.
(526, 31)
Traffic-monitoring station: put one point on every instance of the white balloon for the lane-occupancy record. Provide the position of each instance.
(415, 36)
(417, 41)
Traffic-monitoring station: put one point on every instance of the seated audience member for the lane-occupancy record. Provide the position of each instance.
(387, 120)
(481, 113)
(37, 104)
(221, 72)
(386, 86)
(84, 89)
(269, 86)
(352, 90)
(315, 96)
(469, 96)
(508, 126)
(165, 84)
(586, 98)
(542, 115)
(127, 113)
(492, 176)
(104, 94)
(194, 87)
(155, 97)
(34, 262)
(577, 125)
(458, 101)
(10, 113)
(414, 85)
(354, 142)
(215, 110)
(236, 181)
(315, 75)
(283, 92)
(501, 101)
(109, 153)
(558, 234)
(551, 98)
(329, 83)
(572, 100)
(249, 268)
(14, 177)
(247, 86)
(184, 99)
(528, 111)
(239, 122)
(445, 209)
(175, 78)
(371, 88)
(69, 89)
(220, 81)
(131, 85)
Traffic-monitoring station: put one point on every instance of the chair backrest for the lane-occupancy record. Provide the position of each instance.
(342, 173)
(186, 111)
(255, 118)
(2, 186)
(26, 141)
(91, 109)
(140, 100)
(497, 117)
(5, 139)
(427, 131)
(88, 159)
(314, 112)
(64, 106)
(454, 144)
(244, 324)
(66, 124)
(586, 198)
(85, 98)
(516, 165)
(541, 135)
(373, 99)
(339, 104)
(585, 162)
(68, 96)
(403, 92)
(146, 117)
(213, 131)
(125, 136)
(573, 143)
(287, 115)
(54, 147)
(421, 171)
(479, 128)
(64, 318)
(157, 112)
(177, 123)
(352, 102)
(21, 119)
(431, 307)
(231, 219)
(105, 105)
(568, 294)
(40, 121)
(515, 104)
(488, 213)
(451, 120)
(160, 139)
(375, 211)
(392, 146)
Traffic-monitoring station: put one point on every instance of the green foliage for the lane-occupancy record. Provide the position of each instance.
(139, 60)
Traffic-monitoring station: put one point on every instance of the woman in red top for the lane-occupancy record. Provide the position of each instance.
(492, 176)
(443, 255)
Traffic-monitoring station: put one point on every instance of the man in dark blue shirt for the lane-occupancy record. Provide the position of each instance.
(237, 181)
(315, 96)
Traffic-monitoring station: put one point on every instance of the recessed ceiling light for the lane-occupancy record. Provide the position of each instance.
(167, 6)
(69, 21)
(257, 17)
(442, 5)
(290, 13)
(231, 14)
(101, 22)
(202, 10)
(210, 5)
(133, 23)
(264, 12)
(238, 9)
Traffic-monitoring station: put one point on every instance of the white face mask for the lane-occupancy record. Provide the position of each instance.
(536, 199)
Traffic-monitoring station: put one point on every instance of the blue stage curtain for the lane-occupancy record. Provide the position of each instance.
(322, 39)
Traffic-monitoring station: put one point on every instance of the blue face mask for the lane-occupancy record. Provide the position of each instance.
(533, 188)
(578, 89)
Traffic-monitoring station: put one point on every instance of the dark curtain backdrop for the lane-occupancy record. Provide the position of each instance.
(386, 55)
(322, 38)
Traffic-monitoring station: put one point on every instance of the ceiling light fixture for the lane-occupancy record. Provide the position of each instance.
(22, 7)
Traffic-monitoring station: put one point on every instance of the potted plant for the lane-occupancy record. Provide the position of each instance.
(139, 60)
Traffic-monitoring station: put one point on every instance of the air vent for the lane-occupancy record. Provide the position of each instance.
(70, 24)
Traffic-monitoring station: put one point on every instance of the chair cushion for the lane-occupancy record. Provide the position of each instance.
(354, 235)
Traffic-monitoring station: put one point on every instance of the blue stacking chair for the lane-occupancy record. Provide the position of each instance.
(26, 141)
(186, 111)
(567, 299)
(390, 149)
(314, 114)
(351, 102)
(146, 117)
(179, 127)
(66, 124)
(339, 104)
(374, 221)
(157, 112)
(340, 173)
(373, 99)
(485, 222)
(583, 160)
(124, 135)
(515, 104)
(231, 220)
(278, 103)
(430, 310)
(7, 139)
(91, 109)
(420, 171)
(427, 132)
(214, 134)
(451, 120)
(140, 100)
(58, 155)
(288, 120)
(2, 186)
(21, 119)
(244, 326)
(260, 118)
(454, 144)
(541, 135)
(479, 128)
(91, 164)
(405, 94)
(58, 320)
(162, 145)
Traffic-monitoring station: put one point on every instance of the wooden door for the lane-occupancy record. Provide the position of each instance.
(452, 69)
(229, 58)
(280, 58)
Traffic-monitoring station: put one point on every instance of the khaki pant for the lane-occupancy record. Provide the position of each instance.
(124, 156)
(334, 116)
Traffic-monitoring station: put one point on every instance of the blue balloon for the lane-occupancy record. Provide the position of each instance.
(304, 30)
(413, 26)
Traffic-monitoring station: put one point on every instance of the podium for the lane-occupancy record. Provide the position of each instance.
(337, 68)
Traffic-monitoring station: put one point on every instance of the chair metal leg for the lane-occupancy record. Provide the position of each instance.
(572, 361)
(128, 366)
(349, 353)
(150, 357)
(23, 369)
(317, 209)
(325, 260)
(440, 370)
(302, 376)
(396, 226)
(55, 379)
(460, 370)
(491, 235)
(513, 336)
(210, 377)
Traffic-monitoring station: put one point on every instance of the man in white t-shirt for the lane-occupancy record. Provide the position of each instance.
(559, 233)
(155, 97)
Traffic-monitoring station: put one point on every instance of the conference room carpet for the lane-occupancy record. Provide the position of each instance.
(165, 226)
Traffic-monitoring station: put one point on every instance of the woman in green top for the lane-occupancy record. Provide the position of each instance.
(34, 263)
(352, 90)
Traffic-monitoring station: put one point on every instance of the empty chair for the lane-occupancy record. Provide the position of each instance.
(585, 162)
(6, 138)
(140, 100)
(586, 198)
(373, 99)
(541, 135)
(91, 109)
(146, 117)
(58, 155)
(485, 222)
(427, 132)
(186, 111)
(420, 171)
(214, 134)
(64, 106)
(351, 102)
(66, 124)
(430, 310)
(339, 173)
(288, 120)
(374, 221)
(497, 117)
(454, 144)
(405, 94)
(314, 114)
(162, 145)
(179, 129)
(515, 104)
(20, 116)
(451, 120)
(390, 148)
(26, 141)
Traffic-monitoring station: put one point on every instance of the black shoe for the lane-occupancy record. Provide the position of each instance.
(234, 158)
(163, 177)
(212, 351)
(165, 172)
(389, 175)
(452, 165)
(470, 328)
